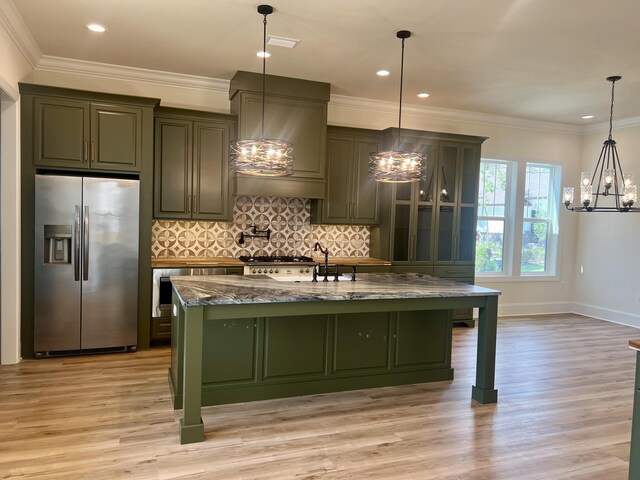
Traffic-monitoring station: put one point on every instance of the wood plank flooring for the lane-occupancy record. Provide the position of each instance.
(564, 412)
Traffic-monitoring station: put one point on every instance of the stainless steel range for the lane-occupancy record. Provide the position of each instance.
(278, 266)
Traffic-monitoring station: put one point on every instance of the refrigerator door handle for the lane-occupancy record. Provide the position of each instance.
(76, 242)
(85, 245)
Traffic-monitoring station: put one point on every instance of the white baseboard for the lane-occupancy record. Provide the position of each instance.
(546, 308)
(538, 308)
(608, 314)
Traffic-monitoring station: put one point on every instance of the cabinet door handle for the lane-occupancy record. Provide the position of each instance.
(93, 151)
(413, 250)
(189, 204)
(195, 204)
(456, 247)
(86, 151)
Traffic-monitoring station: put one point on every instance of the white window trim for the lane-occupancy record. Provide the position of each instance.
(512, 258)
(508, 219)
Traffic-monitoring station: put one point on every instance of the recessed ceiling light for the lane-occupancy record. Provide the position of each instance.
(262, 54)
(423, 95)
(382, 73)
(587, 117)
(96, 27)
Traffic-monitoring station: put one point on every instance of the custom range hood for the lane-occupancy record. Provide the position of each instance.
(296, 111)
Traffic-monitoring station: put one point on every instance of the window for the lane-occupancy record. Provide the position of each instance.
(517, 218)
(493, 213)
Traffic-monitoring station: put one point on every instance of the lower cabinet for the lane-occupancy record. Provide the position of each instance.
(229, 347)
(259, 358)
(361, 342)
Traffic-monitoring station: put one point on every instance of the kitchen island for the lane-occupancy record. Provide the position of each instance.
(241, 338)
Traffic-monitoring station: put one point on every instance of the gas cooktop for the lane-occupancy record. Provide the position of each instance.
(276, 259)
(277, 265)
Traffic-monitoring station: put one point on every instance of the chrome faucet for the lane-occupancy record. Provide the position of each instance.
(317, 247)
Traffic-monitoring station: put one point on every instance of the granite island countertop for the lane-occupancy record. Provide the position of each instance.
(236, 289)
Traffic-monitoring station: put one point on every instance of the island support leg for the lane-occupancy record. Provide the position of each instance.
(191, 426)
(634, 454)
(483, 391)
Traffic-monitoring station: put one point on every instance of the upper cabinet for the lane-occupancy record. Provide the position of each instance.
(457, 195)
(85, 131)
(351, 196)
(432, 222)
(191, 168)
(296, 111)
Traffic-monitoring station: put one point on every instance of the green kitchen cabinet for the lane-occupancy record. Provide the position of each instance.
(294, 110)
(361, 341)
(73, 133)
(418, 340)
(458, 173)
(259, 357)
(230, 347)
(191, 171)
(352, 198)
(431, 222)
(429, 226)
(408, 209)
(295, 347)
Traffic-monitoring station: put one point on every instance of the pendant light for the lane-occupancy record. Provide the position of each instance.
(261, 156)
(611, 181)
(396, 166)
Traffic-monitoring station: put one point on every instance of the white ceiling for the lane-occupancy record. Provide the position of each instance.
(538, 59)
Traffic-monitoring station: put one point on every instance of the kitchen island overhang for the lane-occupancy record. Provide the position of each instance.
(237, 333)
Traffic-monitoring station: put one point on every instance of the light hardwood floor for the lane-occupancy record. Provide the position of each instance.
(564, 412)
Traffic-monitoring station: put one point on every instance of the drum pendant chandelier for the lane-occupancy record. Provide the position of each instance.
(395, 166)
(262, 157)
(607, 180)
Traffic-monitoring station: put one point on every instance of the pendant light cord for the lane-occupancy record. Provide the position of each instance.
(401, 82)
(264, 66)
(613, 86)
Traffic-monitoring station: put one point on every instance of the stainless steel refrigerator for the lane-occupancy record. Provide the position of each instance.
(86, 264)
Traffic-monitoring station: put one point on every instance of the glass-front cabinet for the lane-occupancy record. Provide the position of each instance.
(457, 198)
(413, 219)
(430, 226)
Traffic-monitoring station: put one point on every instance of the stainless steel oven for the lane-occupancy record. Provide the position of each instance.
(161, 290)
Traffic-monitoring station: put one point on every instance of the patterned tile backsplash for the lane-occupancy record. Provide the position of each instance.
(288, 219)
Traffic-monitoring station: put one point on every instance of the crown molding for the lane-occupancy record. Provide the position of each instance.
(71, 66)
(451, 115)
(86, 68)
(603, 127)
(13, 24)
(7, 91)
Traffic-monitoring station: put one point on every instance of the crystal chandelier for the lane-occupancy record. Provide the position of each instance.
(261, 156)
(607, 180)
(395, 166)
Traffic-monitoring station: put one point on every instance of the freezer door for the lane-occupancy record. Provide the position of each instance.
(110, 262)
(57, 263)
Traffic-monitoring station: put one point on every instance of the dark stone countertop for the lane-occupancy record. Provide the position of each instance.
(237, 289)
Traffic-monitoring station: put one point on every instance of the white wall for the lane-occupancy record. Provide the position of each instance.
(14, 66)
(607, 243)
